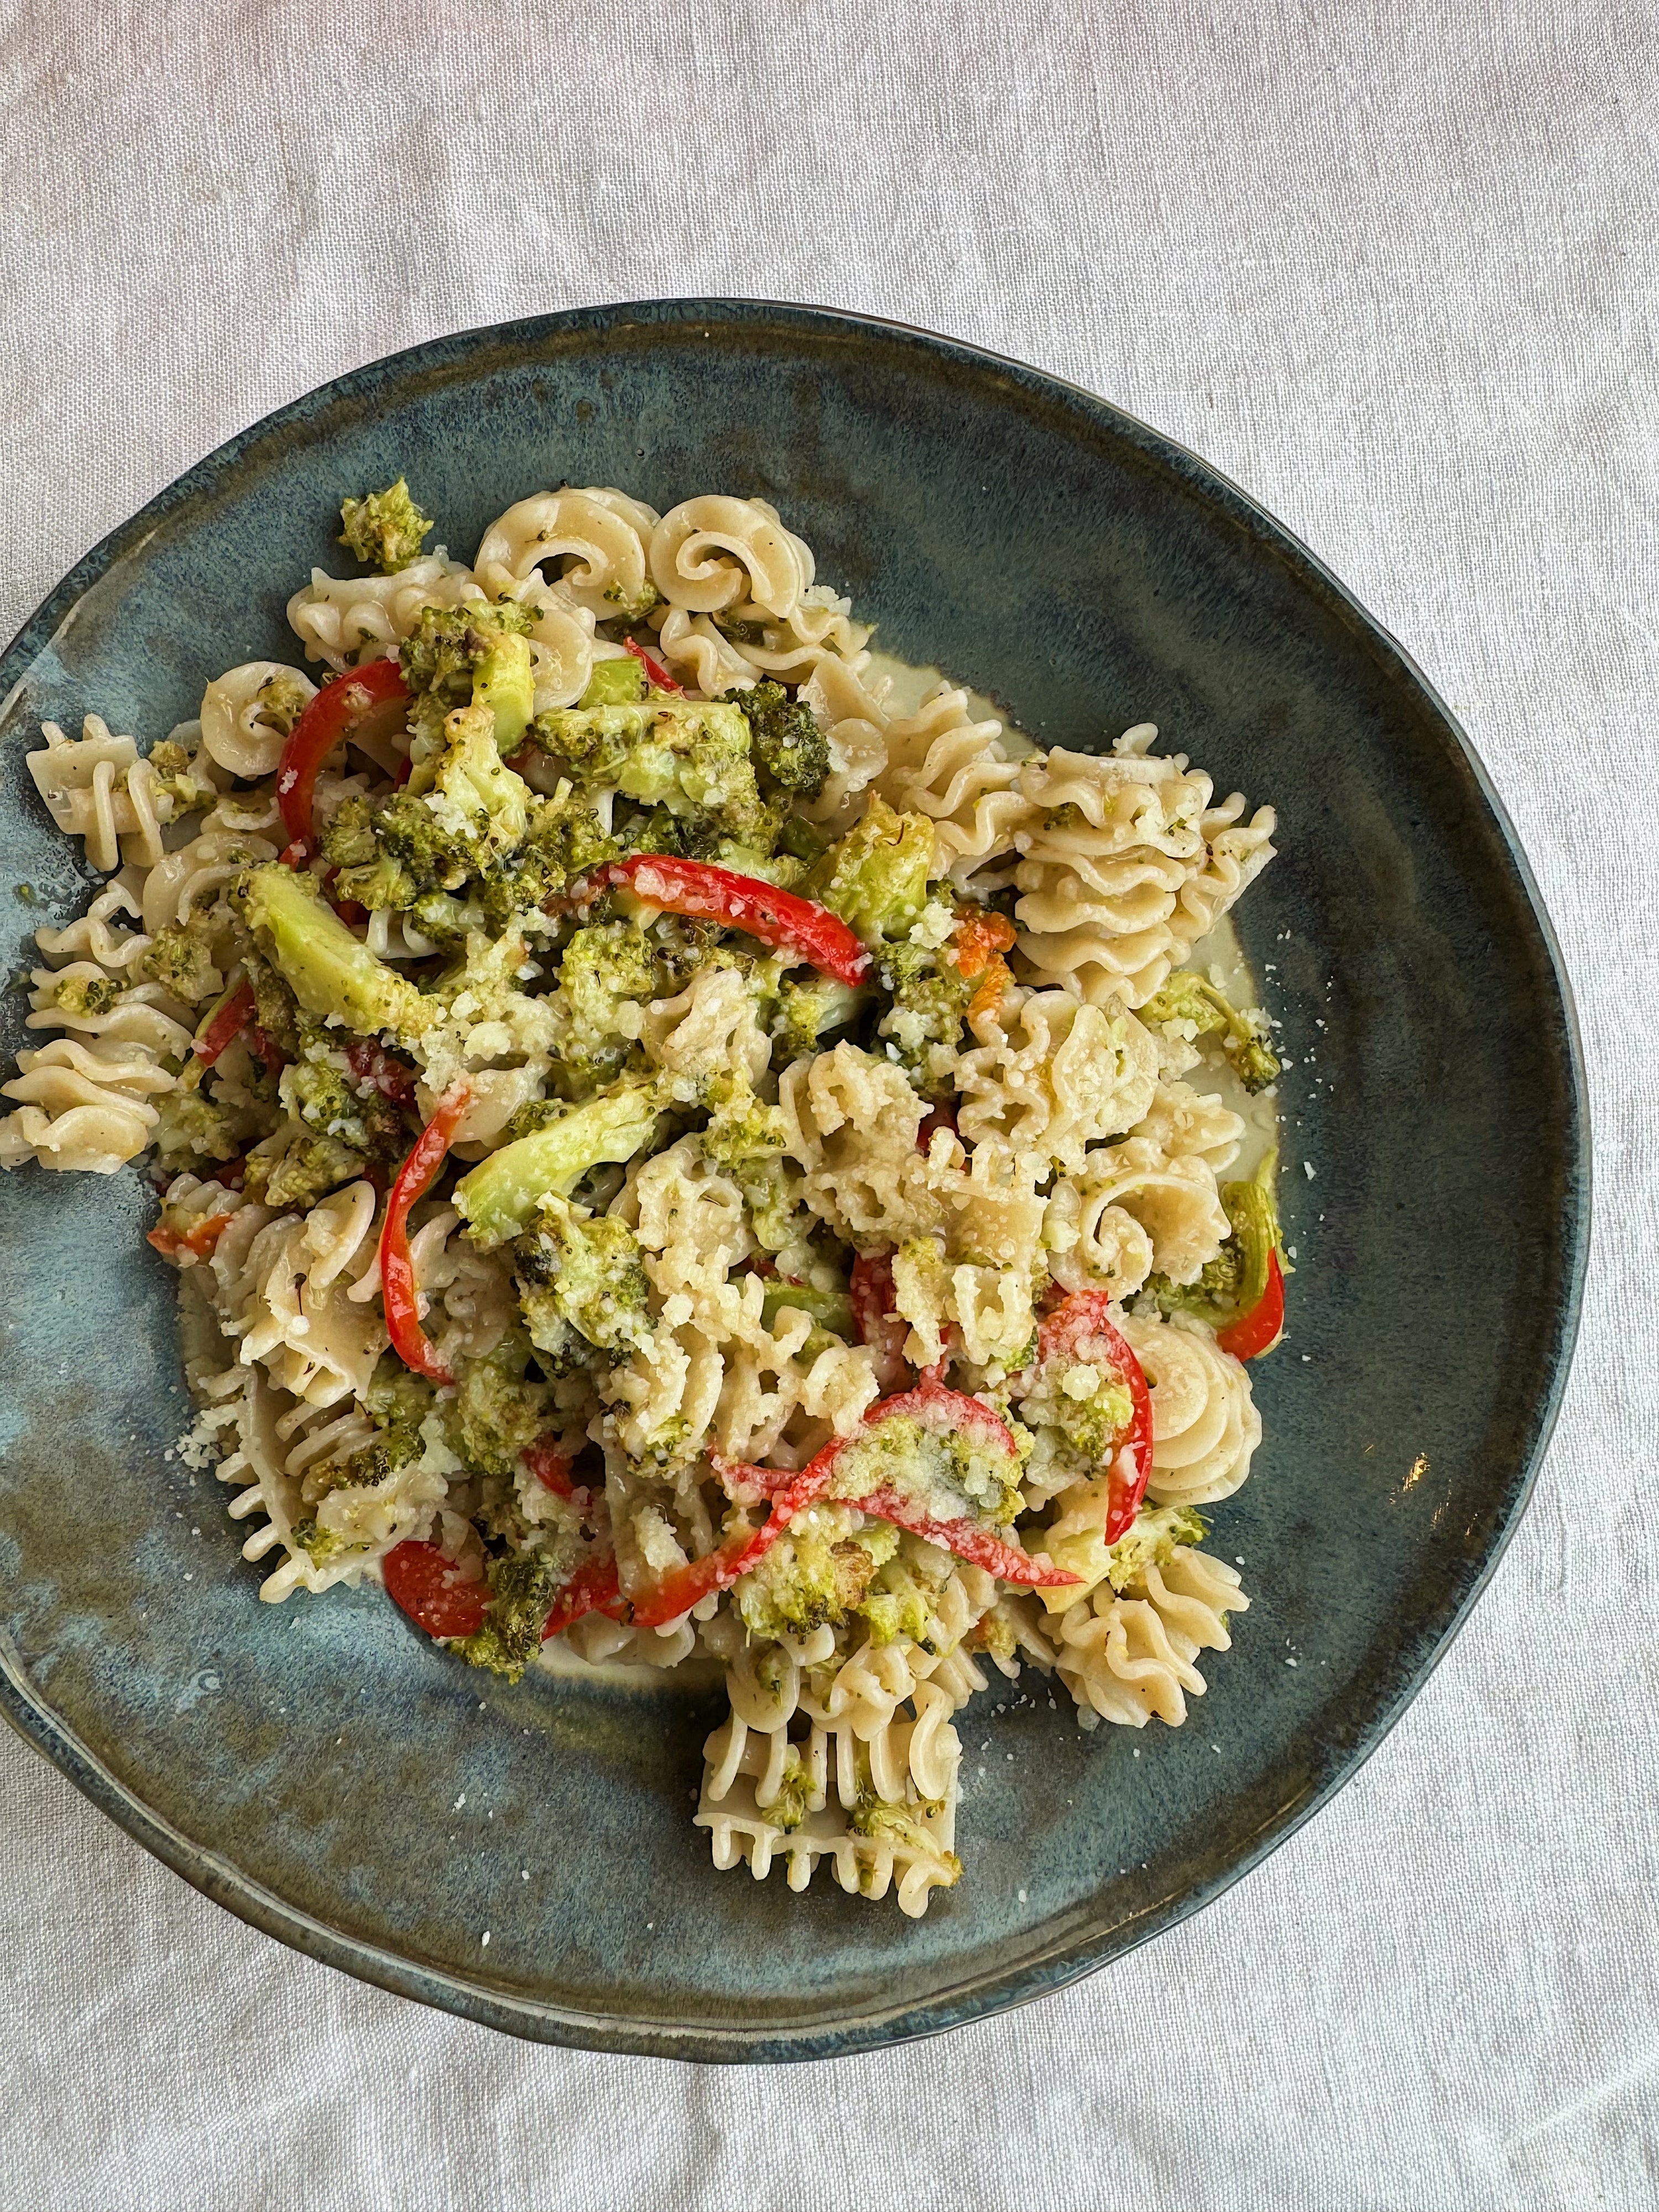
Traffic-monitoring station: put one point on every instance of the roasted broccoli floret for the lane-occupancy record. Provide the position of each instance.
(522, 1588)
(688, 756)
(332, 974)
(296, 1167)
(170, 764)
(328, 1100)
(814, 1007)
(1243, 1030)
(496, 1410)
(742, 1129)
(582, 1271)
(472, 796)
(1156, 1533)
(502, 1193)
(475, 655)
(396, 1397)
(875, 877)
(930, 995)
(371, 1463)
(605, 967)
(384, 530)
(85, 996)
(815, 1574)
(615, 682)
(180, 959)
(791, 752)
(195, 1127)
(874, 1817)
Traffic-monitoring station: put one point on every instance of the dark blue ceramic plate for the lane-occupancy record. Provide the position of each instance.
(305, 1764)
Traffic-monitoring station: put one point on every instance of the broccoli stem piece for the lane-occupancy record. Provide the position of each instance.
(334, 976)
(615, 684)
(829, 1309)
(1242, 1029)
(500, 1197)
(503, 682)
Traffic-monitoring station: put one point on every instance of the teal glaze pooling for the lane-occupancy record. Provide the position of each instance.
(1442, 1114)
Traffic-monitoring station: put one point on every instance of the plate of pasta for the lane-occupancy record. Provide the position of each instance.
(718, 1014)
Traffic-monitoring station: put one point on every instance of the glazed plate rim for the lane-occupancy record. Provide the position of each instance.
(1051, 1966)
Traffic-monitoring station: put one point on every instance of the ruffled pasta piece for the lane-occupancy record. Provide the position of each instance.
(756, 644)
(236, 835)
(1130, 1209)
(284, 1292)
(1128, 1658)
(97, 788)
(708, 1029)
(851, 1122)
(1052, 1076)
(1205, 1424)
(346, 620)
(700, 656)
(710, 553)
(944, 765)
(84, 1105)
(1125, 864)
(1185, 1125)
(880, 1807)
(247, 712)
(598, 535)
(98, 935)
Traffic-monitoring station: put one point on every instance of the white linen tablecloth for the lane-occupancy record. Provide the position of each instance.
(1391, 266)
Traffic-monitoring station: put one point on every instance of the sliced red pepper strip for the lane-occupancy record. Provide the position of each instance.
(678, 1591)
(968, 1540)
(1070, 1332)
(1260, 1329)
(654, 669)
(432, 1590)
(374, 695)
(777, 918)
(593, 1588)
(225, 1026)
(398, 1289)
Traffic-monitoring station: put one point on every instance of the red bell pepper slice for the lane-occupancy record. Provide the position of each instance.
(398, 1289)
(432, 1590)
(777, 918)
(1260, 1329)
(680, 1589)
(225, 1026)
(654, 669)
(968, 1540)
(1076, 1328)
(374, 697)
(593, 1588)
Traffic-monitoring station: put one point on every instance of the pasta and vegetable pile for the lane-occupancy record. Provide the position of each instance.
(668, 1156)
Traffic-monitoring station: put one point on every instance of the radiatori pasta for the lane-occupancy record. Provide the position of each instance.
(673, 1157)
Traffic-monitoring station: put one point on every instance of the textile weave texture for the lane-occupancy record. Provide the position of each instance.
(1392, 268)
